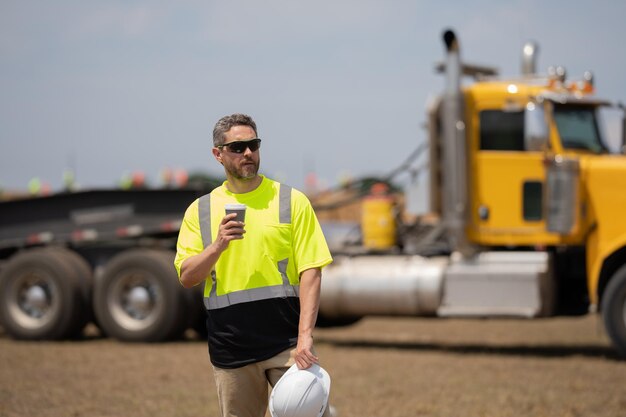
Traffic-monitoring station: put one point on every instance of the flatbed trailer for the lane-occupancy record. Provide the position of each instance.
(102, 256)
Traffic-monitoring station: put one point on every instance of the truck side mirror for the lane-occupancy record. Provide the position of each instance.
(535, 127)
(623, 150)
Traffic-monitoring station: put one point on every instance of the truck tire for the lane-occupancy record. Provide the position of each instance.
(138, 297)
(84, 273)
(42, 296)
(614, 309)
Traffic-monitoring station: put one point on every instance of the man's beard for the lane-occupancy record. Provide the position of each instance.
(245, 172)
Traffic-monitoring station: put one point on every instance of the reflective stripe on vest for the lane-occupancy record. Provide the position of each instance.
(286, 289)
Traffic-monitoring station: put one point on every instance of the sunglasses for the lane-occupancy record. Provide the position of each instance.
(240, 146)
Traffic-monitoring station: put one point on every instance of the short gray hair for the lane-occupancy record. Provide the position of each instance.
(224, 124)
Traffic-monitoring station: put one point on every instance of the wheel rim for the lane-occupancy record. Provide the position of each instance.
(33, 300)
(135, 300)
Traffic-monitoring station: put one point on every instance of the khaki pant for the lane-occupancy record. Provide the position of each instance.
(243, 392)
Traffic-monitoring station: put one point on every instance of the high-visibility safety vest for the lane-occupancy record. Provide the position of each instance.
(283, 238)
(282, 290)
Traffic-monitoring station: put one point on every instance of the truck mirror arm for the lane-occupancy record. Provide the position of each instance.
(623, 108)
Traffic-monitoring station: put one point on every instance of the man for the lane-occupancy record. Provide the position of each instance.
(262, 275)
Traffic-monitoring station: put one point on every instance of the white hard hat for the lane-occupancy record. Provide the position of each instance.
(301, 393)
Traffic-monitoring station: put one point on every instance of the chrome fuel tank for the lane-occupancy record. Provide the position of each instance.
(382, 285)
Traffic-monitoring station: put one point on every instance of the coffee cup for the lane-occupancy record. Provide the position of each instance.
(239, 209)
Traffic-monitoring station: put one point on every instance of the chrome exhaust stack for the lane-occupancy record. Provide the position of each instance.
(454, 152)
(529, 58)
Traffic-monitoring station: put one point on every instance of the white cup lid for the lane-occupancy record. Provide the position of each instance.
(235, 206)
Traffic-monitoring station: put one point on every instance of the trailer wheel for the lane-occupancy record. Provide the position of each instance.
(81, 266)
(41, 296)
(614, 309)
(84, 275)
(138, 297)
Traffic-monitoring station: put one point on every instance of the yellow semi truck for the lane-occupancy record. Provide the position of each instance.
(531, 205)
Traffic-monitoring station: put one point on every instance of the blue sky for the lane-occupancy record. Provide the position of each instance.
(336, 87)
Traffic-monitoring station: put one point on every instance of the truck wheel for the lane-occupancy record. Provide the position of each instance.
(84, 275)
(138, 297)
(41, 296)
(81, 266)
(614, 309)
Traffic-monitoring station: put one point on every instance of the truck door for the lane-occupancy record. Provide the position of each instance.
(506, 181)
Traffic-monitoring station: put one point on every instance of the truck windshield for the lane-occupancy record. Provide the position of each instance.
(578, 128)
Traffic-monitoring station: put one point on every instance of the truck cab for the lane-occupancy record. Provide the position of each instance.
(537, 177)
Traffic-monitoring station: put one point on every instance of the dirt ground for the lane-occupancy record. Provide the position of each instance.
(379, 367)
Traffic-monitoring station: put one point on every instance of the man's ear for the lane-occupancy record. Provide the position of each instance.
(217, 154)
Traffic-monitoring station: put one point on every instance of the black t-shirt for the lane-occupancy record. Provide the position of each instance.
(250, 332)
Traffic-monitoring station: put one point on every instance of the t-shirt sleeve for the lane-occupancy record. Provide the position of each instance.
(189, 237)
(309, 243)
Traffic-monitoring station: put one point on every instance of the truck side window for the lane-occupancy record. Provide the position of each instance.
(532, 200)
(501, 131)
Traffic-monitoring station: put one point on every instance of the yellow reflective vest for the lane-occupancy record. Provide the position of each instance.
(283, 238)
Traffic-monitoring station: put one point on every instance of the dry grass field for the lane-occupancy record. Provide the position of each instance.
(381, 367)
